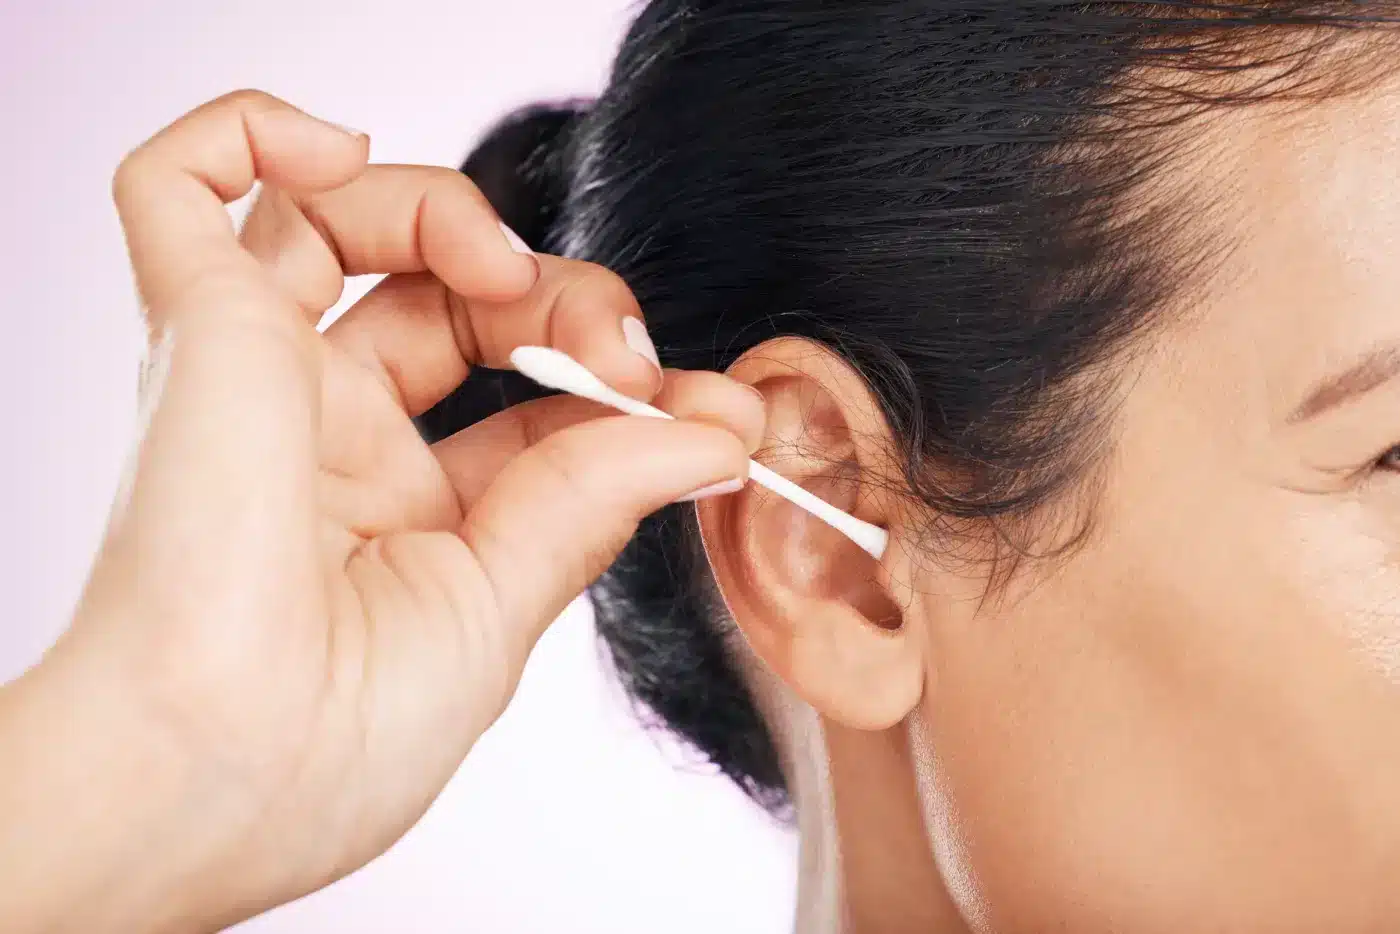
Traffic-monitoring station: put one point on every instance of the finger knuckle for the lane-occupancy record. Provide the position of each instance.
(597, 286)
(610, 286)
(127, 177)
(451, 185)
(248, 99)
(448, 178)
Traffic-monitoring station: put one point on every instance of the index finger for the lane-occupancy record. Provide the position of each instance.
(172, 191)
(390, 219)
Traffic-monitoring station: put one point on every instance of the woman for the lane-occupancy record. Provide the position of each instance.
(1094, 307)
(1091, 305)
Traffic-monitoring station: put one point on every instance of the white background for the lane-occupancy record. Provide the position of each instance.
(568, 817)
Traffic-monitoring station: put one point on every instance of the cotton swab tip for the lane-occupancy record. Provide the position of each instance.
(555, 369)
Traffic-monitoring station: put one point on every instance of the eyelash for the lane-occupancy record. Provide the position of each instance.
(1389, 461)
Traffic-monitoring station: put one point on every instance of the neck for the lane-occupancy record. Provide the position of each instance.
(866, 862)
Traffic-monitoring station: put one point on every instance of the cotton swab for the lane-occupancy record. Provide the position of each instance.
(555, 369)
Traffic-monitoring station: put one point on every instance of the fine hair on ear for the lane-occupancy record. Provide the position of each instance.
(970, 202)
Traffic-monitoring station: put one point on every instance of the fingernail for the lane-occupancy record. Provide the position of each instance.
(715, 489)
(516, 244)
(349, 130)
(635, 333)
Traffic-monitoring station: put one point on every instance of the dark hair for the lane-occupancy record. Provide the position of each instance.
(960, 197)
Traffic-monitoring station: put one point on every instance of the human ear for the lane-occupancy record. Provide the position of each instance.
(815, 608)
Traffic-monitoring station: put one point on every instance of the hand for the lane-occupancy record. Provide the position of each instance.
(309, 612)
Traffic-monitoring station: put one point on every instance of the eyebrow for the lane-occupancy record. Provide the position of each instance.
(1370, 372)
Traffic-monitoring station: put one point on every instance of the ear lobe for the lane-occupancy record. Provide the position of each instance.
(813, 606)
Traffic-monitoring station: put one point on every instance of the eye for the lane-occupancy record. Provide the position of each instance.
(1390, 460)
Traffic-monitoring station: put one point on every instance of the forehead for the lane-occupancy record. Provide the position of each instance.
(1307, 211)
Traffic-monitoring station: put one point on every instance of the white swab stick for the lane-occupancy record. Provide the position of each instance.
(557, 370)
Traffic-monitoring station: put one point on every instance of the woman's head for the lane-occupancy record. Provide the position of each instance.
(1096, 308)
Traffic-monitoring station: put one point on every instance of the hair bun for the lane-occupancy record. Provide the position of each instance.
(520, 166)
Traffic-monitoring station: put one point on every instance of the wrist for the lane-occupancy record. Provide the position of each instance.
(101, 808)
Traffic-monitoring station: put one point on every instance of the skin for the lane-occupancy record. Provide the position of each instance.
(1189, 722)
(303, 616)
(1186, 724)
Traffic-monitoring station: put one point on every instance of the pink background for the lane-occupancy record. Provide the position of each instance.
(568, 818)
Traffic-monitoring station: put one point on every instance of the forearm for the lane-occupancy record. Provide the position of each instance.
(91, 804)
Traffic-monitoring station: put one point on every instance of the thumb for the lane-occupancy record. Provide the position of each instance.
(558, 516)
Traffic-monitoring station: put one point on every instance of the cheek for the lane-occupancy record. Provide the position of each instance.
(1182, 730)
(1349, 567)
